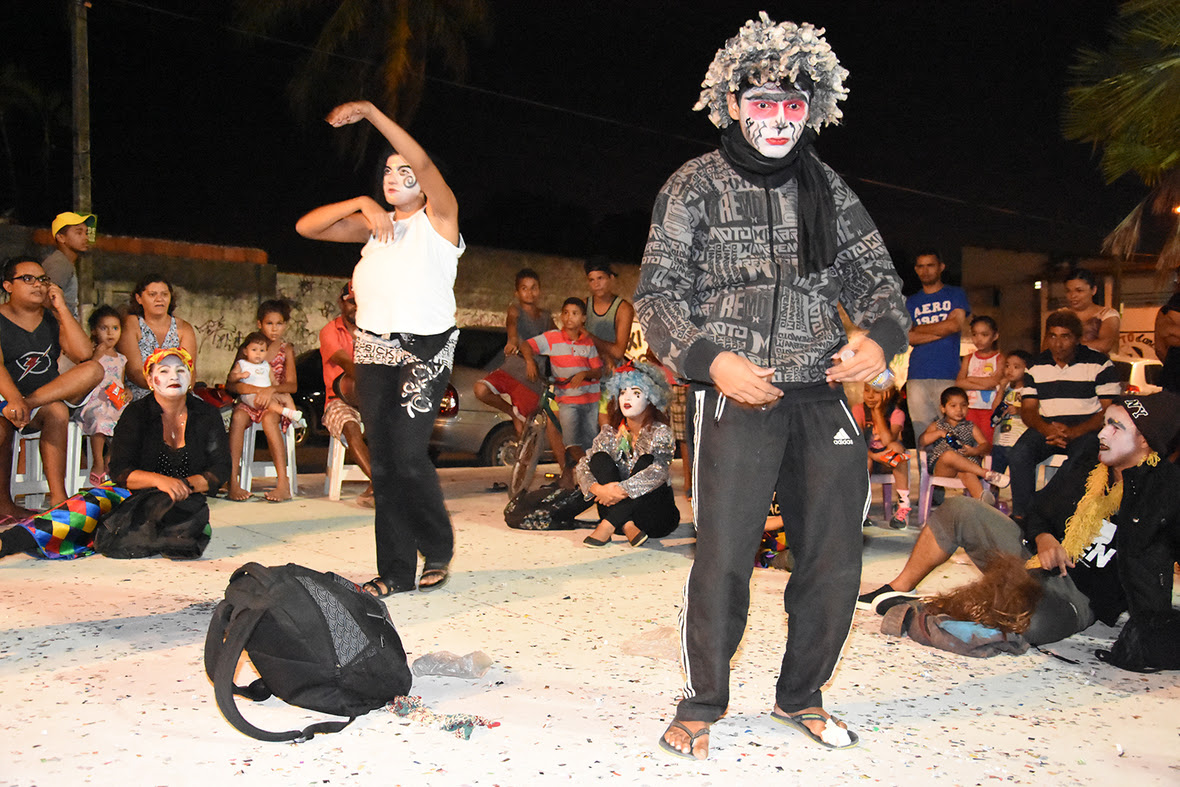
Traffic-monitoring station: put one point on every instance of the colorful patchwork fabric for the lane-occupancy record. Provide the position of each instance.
(66, 531)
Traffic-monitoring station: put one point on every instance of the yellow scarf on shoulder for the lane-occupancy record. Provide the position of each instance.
(1096, 505)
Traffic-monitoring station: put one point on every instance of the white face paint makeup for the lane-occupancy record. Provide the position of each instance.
(1120, 444)
(772, 118)
(400, 183)
(170, 377)
(632, 402)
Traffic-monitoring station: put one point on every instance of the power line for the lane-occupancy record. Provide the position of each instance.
(578, 113)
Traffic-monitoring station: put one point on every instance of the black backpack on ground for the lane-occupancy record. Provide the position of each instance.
(317, 641)
(548, 508)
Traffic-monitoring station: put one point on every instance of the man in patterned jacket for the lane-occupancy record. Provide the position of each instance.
(751, 249)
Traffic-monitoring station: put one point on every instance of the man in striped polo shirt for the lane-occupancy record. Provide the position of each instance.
(1067, 388)
(576, 368)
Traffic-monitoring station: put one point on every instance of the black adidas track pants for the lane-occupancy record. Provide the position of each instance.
(809, 448)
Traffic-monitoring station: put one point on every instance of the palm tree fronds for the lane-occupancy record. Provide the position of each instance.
(1169, 259)
(1124, 239)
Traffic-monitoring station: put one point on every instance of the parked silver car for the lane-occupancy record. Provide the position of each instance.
(465, 427)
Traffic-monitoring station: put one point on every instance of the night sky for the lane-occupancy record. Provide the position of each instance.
(570, 118)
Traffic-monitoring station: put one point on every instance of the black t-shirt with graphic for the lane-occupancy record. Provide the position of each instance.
(30, 357)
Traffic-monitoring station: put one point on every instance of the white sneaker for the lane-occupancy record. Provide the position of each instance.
(998, 480)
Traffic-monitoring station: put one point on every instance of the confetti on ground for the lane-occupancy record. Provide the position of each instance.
(103, 672)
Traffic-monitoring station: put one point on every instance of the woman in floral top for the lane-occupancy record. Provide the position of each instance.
(626, 468)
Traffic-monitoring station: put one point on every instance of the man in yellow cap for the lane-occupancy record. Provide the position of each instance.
(71, 236)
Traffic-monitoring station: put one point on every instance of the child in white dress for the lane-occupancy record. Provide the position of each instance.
(251, 367)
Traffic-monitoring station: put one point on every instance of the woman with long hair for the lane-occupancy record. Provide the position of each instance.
(626, 468)
(405, 343)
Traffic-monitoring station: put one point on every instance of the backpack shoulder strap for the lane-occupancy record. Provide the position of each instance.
(224, 689)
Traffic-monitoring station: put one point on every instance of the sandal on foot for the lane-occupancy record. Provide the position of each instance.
(692, 741)
(595, 543)
(443, 574)
(797, 720)
(639, 539)
(374, 588)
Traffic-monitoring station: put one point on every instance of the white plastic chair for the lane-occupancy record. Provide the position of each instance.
(31, 483)
(251, 469)
(1047, 468)
(338, 472)
(927, 481)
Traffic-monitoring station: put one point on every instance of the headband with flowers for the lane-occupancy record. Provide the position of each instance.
(762, 52)
(163, 353)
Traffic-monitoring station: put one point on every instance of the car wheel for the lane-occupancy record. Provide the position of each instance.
(309, 426)
(499, 447)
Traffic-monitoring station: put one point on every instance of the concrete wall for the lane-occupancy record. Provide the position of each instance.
(1003, 285)
(218, 288)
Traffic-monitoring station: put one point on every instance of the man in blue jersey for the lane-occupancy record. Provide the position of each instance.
(939, 312)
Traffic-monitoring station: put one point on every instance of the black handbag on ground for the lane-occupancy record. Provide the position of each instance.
(149, 523)
(317, 641)
(548, 508)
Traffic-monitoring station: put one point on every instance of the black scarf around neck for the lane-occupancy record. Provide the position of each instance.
(817, 207)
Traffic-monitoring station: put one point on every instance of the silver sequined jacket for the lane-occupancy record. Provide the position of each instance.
(655, 439)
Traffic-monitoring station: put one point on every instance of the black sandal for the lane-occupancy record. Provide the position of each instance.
(443, 574)
(373, 588)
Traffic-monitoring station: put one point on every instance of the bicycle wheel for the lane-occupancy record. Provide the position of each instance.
(528, 451)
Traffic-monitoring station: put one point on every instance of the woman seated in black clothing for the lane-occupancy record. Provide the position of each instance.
(170, 449)
(626, 468)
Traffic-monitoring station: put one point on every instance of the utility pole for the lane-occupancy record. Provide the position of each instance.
(81, 58)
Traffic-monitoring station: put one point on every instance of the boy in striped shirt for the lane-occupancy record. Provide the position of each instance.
(576, 368)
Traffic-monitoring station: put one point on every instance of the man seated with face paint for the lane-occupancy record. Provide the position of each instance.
(1104, 534)
(752, 250)
(171, 450)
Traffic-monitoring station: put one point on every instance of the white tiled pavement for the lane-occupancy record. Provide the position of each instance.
(102, 682)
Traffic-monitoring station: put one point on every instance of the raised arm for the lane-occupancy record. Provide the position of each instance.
(351, 221)
(74, 341)
(441, 205)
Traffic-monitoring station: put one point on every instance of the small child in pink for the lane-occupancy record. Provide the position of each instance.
(981, 374)
(101, 411)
